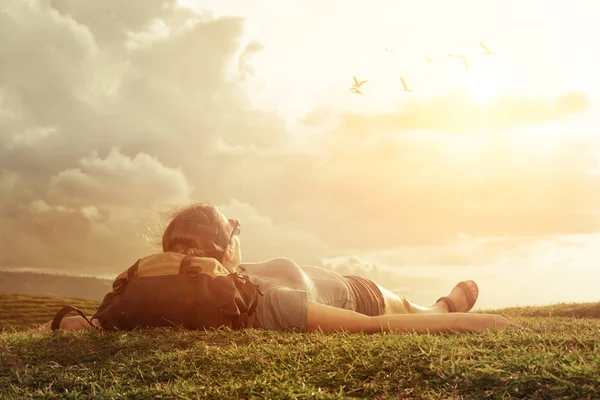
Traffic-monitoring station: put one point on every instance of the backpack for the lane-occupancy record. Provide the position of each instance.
(168, 289)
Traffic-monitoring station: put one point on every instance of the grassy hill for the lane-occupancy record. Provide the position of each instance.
(558, 358)
(20, 312)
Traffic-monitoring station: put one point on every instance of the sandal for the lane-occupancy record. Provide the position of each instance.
(468, 294)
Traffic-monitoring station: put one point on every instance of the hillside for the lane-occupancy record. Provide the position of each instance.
(34, 283)
(558, 359)
(19, 312)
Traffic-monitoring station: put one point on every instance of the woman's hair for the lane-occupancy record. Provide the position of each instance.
(197, 229)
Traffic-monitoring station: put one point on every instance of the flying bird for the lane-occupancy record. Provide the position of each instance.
(487, 51)
(358, 84)
(465, 61)
(356, 90)
(406, 89)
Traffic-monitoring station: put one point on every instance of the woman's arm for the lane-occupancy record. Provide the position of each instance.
(331, 319)
(75, 323)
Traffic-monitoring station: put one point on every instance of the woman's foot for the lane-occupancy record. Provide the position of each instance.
(462, 298)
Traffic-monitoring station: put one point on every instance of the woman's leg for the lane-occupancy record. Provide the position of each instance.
(398, 304)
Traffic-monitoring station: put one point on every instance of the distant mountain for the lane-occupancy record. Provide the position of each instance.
(34, 283)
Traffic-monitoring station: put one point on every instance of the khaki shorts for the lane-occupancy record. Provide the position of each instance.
(368, 299)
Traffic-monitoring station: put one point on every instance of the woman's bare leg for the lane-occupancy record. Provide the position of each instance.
(398, 304)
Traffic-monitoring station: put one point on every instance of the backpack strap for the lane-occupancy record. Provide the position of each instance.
(248, 289)
(185, 267)
(60, 315)
(132, 272)
(192, 273)
(238, 323)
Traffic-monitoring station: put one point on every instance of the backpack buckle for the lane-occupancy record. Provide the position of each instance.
(119, 285)
(193, 272)
(186, 268)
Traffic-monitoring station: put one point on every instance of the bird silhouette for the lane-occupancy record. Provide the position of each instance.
(487, 51)
(465, 61)
(406, 89)
(356, 90)
(358, 84)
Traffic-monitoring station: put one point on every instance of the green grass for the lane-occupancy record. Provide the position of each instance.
(558, 358)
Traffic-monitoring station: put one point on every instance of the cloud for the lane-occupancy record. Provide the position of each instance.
(120, 180)
(88, 212)
(107, 112)
(8, 182)
(458, 113)
(169, 97)
(31, 137)
(112, 110)
(421, 192)
(244, 65)
(464, 250)
(263, 238)
(112, 22)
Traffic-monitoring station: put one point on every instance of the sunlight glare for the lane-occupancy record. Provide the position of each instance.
(481, 87)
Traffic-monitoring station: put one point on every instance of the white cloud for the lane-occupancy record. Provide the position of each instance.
(155, 30)
(141, 179)
(32, 137)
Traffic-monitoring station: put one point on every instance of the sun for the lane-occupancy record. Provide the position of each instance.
(481, 87)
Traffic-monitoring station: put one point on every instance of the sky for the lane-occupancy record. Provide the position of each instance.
(112, 113)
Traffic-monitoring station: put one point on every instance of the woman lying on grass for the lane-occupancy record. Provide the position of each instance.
(307, 298)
